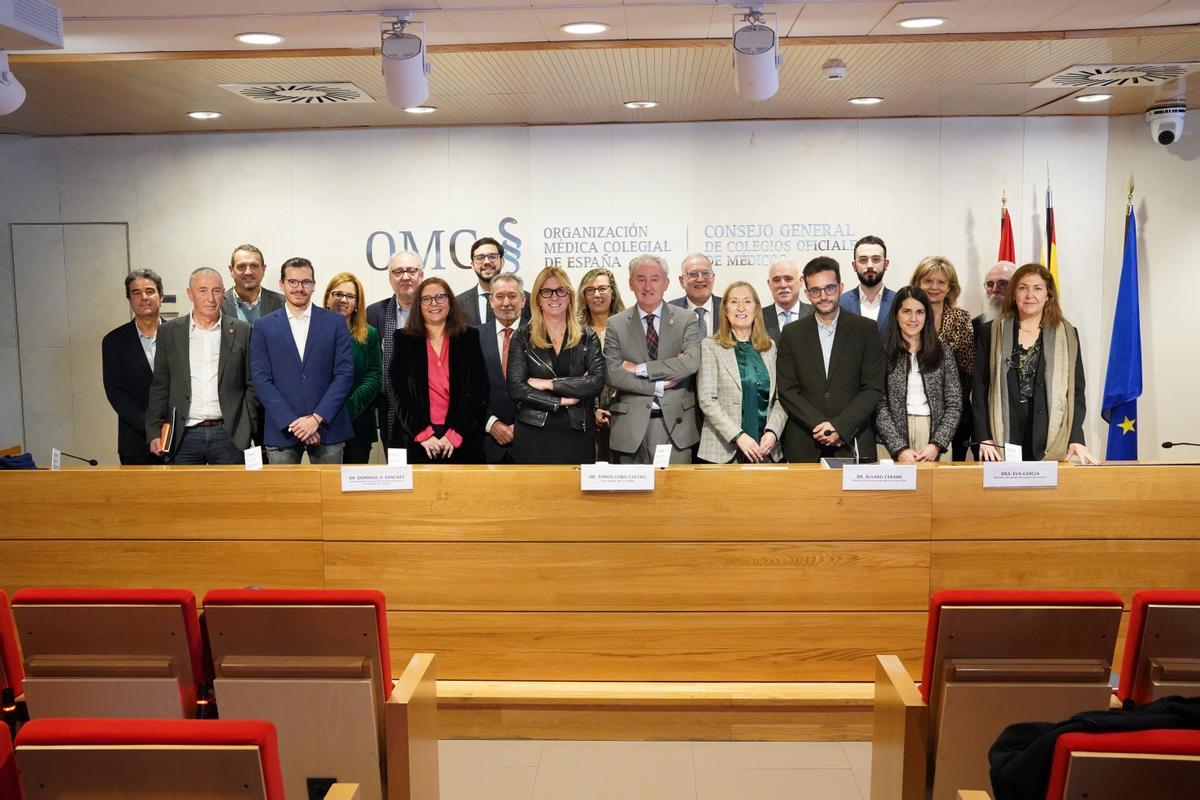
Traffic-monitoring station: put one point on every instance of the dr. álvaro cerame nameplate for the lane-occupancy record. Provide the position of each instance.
(879, 478)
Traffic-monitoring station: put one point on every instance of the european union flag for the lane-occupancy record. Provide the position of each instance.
(1123, 382)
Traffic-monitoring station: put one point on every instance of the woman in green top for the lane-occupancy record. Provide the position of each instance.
(736, 386)
(344, 295)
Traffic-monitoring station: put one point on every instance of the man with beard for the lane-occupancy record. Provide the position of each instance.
(487, 260)
(248, 299)
(783, 279)
(871, 298)
(995, 285)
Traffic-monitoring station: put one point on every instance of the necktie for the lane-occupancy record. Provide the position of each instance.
(651, 338)
(787, 317)
(504, 352)
(488, 316)
(701, 312)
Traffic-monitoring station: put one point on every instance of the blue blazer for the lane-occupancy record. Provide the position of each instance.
(851, 302)
(290, 389)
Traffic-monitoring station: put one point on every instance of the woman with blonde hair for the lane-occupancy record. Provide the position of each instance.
(555, 371)
(598, 299)
(937, 277)
(736, 386)
(344, 294)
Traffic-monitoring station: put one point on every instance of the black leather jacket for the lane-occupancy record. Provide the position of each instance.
(584, 380)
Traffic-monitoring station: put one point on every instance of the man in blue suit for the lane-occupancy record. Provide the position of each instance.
(870, 299)
(303, 370)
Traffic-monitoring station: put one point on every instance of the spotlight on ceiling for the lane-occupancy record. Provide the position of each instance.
(640, 104)
(1093, 98)
(583, 28)
(922, 22)
(204, 114)
(406, 66)
(866, 101)
(12, 93)
(259, 37)
(421, 109)
(756, 58)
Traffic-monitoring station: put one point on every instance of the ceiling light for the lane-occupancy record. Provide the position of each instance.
(204, 114)
(922, 22)
(636, 104)
(756, 58)
(421, 109)
(259, 38)
(405, 64)
(1093, 98)
(12, 93)
(583, 28)
(866, 101)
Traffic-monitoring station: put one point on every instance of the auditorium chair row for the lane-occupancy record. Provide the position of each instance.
(995, 658)
(315, 664)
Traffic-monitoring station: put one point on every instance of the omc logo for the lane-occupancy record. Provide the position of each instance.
(382, 245)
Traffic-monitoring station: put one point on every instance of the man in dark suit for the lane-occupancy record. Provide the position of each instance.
(870, 299)
(487, 260)
(783, 279)
(387, 316)
(202, 381)
(127, 358)
(248, 299)
(831, 374)
(696, 276)
(508, 301)
(303, 370)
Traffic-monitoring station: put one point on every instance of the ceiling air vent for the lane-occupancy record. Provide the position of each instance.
(1096, 76)
(299, 93)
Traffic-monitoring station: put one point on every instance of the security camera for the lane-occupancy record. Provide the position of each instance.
(834, 69)
(1166, 121)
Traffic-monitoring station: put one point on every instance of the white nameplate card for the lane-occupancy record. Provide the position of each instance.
(1023, 475)
(377, 479)
(1012, 453)
(662, 456)
(879, 477)
(253, 458)
(55, 458)
(616, 478)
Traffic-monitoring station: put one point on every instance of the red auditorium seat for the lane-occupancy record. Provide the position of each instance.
(1146, 765)
(11, 672)
(1162, 646)
(992, 658)
(10, 788)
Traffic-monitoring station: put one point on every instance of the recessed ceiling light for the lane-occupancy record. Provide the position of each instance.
(1093, 98)
(636, 104)
(259, 38)
(922, 22)
(583, 28)
(421, 109)
(204, 114)
(866, 101)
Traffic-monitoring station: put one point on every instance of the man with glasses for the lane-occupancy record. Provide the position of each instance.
(831, 373)
(303, 370)
(388, 316)
(696, 276)
(783, 279)
(870, 298)
(487, 260)
(508, 302)
(995, 287)
(248, 299)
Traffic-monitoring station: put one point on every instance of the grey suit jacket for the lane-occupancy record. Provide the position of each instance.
(719, 390)
(771, 318)
(172, 384)
(270, 301)
(678, 359)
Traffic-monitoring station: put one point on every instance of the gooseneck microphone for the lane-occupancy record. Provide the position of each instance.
(90, 461)
(1169, 445)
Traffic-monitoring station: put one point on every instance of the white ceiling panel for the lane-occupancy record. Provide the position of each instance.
(721, 26)
(1096, 14)
(466, 5)
(822, 19)
(1175, 12)
(497, 26)
(1018, 15)
(954, 12)
(552, 18)
(288, 6)
(676, 22)
(157, 8)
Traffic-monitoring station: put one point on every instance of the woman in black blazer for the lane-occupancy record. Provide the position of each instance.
(555, 371)
(439, 382)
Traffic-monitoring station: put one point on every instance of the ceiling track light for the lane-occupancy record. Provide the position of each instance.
(12, 93)
(406, 64)
(756, 57)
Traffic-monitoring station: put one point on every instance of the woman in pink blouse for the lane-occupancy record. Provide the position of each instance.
(439, 382)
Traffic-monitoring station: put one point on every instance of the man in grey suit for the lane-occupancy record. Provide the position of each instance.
(783, 279)
(247, 299)
(202, 381)
(696, 276)
(652, 352)
(487, 261)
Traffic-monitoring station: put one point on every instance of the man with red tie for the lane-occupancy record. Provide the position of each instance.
(508, 301)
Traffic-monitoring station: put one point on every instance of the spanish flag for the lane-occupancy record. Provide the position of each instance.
(1008, 251)
(1051, 262)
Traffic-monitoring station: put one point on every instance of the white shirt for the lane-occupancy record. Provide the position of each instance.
(204, 358)
(780, 311)
(500, 329)
(826, 333)
(870, 308)
(299, 325)
(482, 301)
(918, 402)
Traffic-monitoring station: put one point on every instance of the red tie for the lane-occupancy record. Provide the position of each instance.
(504, 352)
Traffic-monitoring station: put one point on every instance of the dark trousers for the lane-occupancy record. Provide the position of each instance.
(356, 453)
(140, 461)
(207, 445)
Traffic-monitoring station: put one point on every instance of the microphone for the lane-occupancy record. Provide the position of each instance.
(90, 461)
(1169, 445)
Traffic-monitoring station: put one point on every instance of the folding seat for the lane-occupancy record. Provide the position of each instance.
(10, 788)
(110, 652)
(992, 658)
(63, 759)
(11, 673)
(1162, 646)
(316, 664)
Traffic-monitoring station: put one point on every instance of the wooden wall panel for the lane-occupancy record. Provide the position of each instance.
(1110, 502)
(209, 503)
(653, 646)
(690, 503)
(593, 576)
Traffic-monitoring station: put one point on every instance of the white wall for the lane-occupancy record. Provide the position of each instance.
(925, 185)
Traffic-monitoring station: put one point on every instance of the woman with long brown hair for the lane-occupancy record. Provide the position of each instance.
(598, 299)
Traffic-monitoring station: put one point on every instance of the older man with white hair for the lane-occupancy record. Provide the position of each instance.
(783, 279)
(995, 287)
(696, 276)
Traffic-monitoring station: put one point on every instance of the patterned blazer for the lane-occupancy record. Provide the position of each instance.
(958, 334)
(943, 392)
(719, 391)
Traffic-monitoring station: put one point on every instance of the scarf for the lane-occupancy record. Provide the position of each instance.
(1060, 348)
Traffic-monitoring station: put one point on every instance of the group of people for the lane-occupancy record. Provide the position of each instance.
(559, 374)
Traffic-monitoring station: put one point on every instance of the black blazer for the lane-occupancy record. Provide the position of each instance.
(771, 318)
(584, 379)
(409, 375)
(847, 398)
(499, 405)
(1041, 413)
(127, 377)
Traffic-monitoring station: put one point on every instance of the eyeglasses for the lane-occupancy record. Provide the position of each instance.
(698, 275)
(294, 283)
(434, 299)
(863, 261)
(343, 296)
(547, 292)
(828, 291)
(600, 290)
(990, 285)
(479, 258)
(405, 272)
